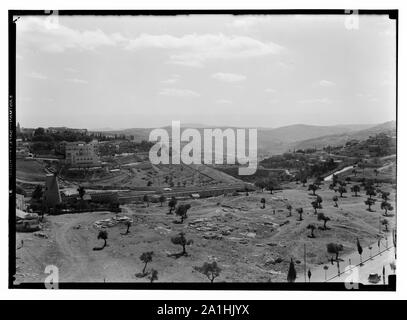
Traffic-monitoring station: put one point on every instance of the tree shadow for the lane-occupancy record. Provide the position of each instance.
(336, 260)
(142, 274)
(323, 229)
(177, 255)
(389, 215)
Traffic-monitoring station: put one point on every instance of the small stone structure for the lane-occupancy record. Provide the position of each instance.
(52, 196)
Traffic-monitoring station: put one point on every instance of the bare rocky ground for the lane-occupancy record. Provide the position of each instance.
(249, 243)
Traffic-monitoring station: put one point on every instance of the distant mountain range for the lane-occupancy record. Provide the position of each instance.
(342, 138)
(298, 132)
(297, 136)
(279, 140)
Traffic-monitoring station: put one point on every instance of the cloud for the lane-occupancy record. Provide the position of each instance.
(194, 50)
(364, 95)
(223, 101)
(317, 100)
(288, 65)
(228, 77)
(326, 83)
(246, 22)
(367, 97)
(178, 92)
(315, 18)
(71, 70)
(173, 79)
(269, 90)
(37, 75)
(274, 101)
(249, 21)
(55, 37)
(75, 80)
(189, 50)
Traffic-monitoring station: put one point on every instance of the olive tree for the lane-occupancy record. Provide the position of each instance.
(334, 248)
(210, 270)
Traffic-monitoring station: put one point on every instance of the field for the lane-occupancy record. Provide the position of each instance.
(30, 170)
(249, 243)
(385, 173)
(127, 174)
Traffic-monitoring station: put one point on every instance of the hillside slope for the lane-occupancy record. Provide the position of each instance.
(270, 140)
(340, 139)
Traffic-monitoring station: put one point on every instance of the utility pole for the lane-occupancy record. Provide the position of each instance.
(305, 263)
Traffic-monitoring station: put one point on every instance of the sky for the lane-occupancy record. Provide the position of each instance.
(219, 70)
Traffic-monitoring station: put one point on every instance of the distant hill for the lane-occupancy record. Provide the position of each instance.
(299, 132)
(272, 140)
(341, 138)
(279, 140)
(139, 134)
(102, 129)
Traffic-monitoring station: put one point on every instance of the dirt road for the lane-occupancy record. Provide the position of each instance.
(70, 243)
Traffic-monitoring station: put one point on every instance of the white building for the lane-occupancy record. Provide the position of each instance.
(20, 202)
(81, 154)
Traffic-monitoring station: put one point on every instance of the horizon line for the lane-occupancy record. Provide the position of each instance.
(203, 125)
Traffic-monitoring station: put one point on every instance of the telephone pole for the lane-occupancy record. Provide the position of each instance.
(305, 263)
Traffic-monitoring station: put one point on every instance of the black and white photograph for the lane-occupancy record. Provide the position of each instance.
(189, 149)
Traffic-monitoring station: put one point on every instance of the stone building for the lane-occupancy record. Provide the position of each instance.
(81, 154)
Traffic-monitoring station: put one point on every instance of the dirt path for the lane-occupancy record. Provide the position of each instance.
(76, 240)
(69, 246)
(77, 263)
(385, 167)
